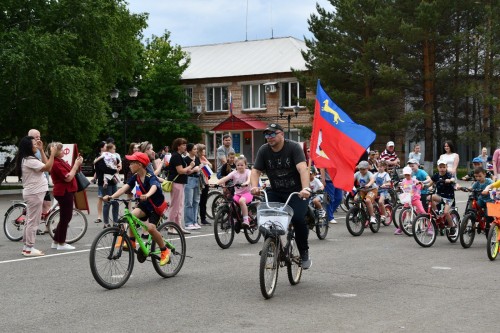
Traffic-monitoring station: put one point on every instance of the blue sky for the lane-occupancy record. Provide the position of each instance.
(200, 22)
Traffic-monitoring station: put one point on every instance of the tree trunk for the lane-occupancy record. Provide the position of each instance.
(429, 68)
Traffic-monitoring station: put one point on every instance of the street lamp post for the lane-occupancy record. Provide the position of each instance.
(296, 110)
(122, 104)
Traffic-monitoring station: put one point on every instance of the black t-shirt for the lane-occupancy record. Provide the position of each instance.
(176, 160)
(223, 170)
(188, 161)
(445, 190)
(149, 181)
(281, 166)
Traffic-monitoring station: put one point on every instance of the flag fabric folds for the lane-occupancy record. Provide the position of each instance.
(337, 142)
(207, 171)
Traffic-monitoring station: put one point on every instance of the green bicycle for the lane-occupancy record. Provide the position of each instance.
(112, 261)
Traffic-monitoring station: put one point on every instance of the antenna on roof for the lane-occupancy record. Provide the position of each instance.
(246, 25)
(272, 28)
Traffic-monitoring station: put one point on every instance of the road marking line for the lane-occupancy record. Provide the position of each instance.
(440, 267)
(344, 295)
(73, 252)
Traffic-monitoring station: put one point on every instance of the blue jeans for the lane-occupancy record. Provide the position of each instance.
(298, 220)
(335, 195)
(110, 190)
(191, 200)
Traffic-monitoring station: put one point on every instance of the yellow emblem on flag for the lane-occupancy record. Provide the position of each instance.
(327, 108)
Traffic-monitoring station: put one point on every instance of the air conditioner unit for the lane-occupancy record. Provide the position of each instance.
(197, 109)
(270, 88)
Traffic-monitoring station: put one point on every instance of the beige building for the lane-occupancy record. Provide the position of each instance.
(240, 87)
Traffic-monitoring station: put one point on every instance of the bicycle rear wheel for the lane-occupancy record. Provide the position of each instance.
(176, 242)
(223, 230)
(13, 223)
(269, 265)
(252, 233)
(110, 265)
(467, 230)
(77, 227)
(424, 230)
(355, 221)
(293, 265)
(492, 242)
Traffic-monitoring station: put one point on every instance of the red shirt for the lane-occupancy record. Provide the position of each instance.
(58, 173)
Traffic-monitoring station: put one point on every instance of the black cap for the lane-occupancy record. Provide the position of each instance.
(273, 127)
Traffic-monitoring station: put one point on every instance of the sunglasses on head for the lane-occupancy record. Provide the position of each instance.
(270, 135)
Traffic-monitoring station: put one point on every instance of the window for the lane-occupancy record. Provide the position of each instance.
(254, 96)
(189, 99)
(217, 99)
(291, 92)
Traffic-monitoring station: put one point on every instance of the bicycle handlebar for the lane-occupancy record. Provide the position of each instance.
(287, 200)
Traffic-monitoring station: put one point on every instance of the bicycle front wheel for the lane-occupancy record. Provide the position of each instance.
(355, 221)
(424, 230)
(293, 265)
(388, 215)
(467, 230)
(492, 242)
(77, 227)
(223, 230)
(217, 203)
(406, 220)
(269, 265)
(13, 223)
(176, 242)
(455, 217)
(110, 265)
(210, 202)
(252, 233)
(321, 226)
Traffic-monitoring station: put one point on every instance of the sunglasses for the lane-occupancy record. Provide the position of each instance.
(271, 135)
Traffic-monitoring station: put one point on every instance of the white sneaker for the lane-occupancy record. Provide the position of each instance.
(382, 219)
(332, 221)
(54, 245)
(321, 213)
(373, 220)
(197, 226)
(65, 247)
(191, 227)
(32, 252)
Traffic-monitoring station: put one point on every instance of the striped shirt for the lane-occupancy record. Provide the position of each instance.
(389, 157)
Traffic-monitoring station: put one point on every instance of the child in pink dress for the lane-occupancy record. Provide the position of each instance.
(412, 186)
(242, 194)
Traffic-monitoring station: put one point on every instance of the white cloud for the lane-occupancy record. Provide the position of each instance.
(199, 22)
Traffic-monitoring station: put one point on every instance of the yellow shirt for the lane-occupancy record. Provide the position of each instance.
(496, 184)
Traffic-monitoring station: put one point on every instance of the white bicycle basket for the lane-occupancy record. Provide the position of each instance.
(274, 217)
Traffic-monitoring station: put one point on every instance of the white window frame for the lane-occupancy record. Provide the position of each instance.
(289, 99)
(248, 93)
(189, 99)
(223, 98)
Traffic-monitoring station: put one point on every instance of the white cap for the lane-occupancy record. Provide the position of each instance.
(413, 161)
(390, 143)
(439, 162)
(406, 171)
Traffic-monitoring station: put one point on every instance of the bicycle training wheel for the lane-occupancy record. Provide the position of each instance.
(406, 220)
(492, 242)
(455, 217)
(467, 230)
(218, 202)
(176, 242)
(13, 223)
(388, 215)
(223, 230)
(252, 233)
(269, 264)
(321, 226)
(76, 229)
(111, 266)
(355, 221)
(424, 230)
(293, 265)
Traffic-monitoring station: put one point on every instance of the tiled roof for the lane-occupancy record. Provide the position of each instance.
(276, 55)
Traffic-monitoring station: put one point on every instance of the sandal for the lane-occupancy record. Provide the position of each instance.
(98, 221)
(40, 232)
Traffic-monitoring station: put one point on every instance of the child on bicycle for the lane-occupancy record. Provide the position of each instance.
(151, 200)
(445, 191)
(477, 162)
(316, 185)
(242, 194)
(383, 181)
(366, 180)
(484, 184)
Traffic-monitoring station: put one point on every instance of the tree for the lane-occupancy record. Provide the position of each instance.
(57, 63)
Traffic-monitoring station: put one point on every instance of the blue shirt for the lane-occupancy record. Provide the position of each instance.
(482, 199)
(421, 175)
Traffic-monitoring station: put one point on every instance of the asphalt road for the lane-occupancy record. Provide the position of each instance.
(372, 283)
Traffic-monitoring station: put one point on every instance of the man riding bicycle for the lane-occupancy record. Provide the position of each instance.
(285, 164)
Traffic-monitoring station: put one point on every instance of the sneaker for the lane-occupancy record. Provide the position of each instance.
(65, 247)
(453, 230)
(132, 243)
(32, 252)
(321, 213)
(382, 219)
(54, 245)
(245, 224)
(197, 226)
(430, 232)
(306, 261)
(165, 257)
(332, 221)
(398, 232)
(373, 220)
(172, 231)
(204, 222)
(98, 221)
(106, 225)
(191, 227)
(186, 232)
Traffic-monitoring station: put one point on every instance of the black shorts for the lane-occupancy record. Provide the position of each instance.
(151, 216)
